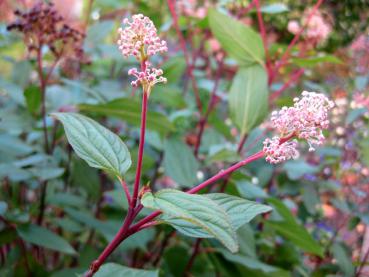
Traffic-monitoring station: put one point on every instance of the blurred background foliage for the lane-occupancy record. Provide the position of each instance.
(319, 225)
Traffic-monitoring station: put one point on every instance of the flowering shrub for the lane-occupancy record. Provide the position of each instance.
(158, 156)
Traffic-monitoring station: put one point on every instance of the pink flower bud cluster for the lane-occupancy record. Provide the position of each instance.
(140, 35)
(148, 78)
(279, 152)
(316, 29)
(305, 119)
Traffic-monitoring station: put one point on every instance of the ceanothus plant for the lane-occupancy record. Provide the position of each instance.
(212, 215)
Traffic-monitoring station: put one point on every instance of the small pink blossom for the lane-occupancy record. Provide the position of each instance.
(306, 119)
(148, 78)
(139, 37)
(293, 27)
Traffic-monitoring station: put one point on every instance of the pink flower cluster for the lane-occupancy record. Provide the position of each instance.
(279, 152)
(140, 37)
(317, 29)
(148, 78)
(305, 120)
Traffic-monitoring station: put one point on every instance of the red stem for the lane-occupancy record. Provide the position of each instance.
(172, 9)
(126, 191)
(211, 106)
(43, 107)
(112, 245)
(293, 42)
(136, 185)
(263, 33)
(293, 79)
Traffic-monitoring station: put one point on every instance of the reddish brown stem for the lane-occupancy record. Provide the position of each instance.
(263, 33)
(293, 79)
(136, 185)
(112, 245)
(126, 191)
(195, 252)
(211, 106)
(43, 92)
(172, 9)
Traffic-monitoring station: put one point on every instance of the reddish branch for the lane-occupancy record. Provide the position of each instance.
(294, 78)
(211, 106)
(136, 185)
(286, 54)
(263, 34)
(172, 9)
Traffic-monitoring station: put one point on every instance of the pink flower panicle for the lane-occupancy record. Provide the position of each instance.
(317, 28)
(140, 35)
(149, 77)
(305, 119)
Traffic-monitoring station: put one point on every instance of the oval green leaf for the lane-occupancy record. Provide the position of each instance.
(240, 211)
(95, 144)
(248, 99)
(199, 210)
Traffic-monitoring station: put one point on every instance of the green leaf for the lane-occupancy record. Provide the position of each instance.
(179, 162)
(33, 98)
(92, 142)
(355, 114)
(313, 61)
(343, 259)
(298, 235)
(256, 265)
(248, 99)
(129, 110)
(116, 270)
(196, 209)
(296, 169)
(240, 41)
(282, 210)
(43, 237)
(240, 211)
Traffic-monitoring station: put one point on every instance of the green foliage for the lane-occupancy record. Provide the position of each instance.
(92, 142)
(129, 110)
(240, 41)
(196, 209)
(180, 163)
(43, 237)
(111, 269)
(33, 98)
(248, 99)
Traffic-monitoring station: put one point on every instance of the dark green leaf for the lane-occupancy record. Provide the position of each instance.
(116, 270)
(298, 235)
(43, 237)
